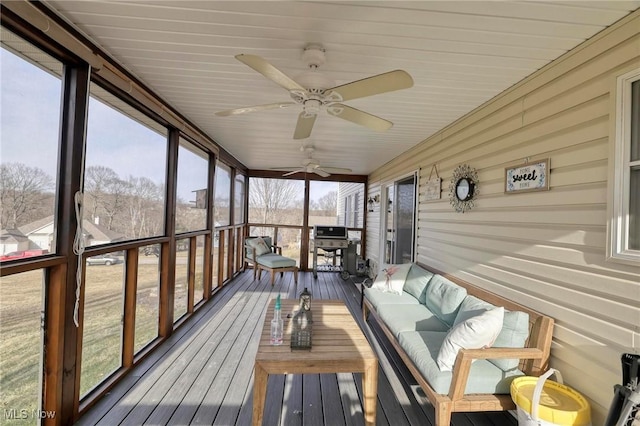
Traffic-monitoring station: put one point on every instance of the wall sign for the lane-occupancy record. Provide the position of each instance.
(527, 177)
(433, 187)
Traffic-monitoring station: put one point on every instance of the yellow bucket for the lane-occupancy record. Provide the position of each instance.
(545, 403)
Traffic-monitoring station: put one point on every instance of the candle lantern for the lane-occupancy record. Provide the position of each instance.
(305, 300)
(301, 330)
(301, 323)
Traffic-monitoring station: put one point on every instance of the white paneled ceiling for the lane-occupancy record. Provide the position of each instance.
(460, 54)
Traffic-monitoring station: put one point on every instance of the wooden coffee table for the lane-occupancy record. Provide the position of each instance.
(339, 346)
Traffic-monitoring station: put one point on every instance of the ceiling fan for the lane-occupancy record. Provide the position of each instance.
(316, 92)
(309, 165)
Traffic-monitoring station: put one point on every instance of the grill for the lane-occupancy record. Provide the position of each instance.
(329, 238)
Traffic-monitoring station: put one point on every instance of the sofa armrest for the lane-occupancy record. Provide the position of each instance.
(465, 356)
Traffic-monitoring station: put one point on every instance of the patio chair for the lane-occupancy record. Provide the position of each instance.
(263, 255)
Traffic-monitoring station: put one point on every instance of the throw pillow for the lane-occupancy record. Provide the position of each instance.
(397, 276)
(259, 246)
(475, 333)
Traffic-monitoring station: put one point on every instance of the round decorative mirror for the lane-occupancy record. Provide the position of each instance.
(463, 188)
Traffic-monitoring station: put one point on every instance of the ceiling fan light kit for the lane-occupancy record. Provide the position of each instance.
(316, 92)
(311, 165)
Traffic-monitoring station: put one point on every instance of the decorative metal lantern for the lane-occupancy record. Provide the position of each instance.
(305, 300)
(301, 330)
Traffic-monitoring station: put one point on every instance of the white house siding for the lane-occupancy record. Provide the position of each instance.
(545, 249)
(346, 189)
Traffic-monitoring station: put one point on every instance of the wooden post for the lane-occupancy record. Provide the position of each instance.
(75, 100)
(130, 295)
(191, 274)
(168, 252)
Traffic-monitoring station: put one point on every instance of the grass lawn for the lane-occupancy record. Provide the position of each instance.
(21, 306)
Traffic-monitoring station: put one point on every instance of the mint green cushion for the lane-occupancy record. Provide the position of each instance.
(515, 328)
(484, 377)
(273, 260)
(400, 318)
(378, 298)
(417, 281)
(443, 298)
(514, 334)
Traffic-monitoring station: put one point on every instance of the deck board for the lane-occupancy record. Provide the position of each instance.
(203, 374)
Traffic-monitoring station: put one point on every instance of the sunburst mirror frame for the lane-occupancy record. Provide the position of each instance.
(463, 171)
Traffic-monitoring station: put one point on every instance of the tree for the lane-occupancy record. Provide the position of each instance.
(328, 203)
(98, 180)
(270, 197)
(144, 197)
(23, 194)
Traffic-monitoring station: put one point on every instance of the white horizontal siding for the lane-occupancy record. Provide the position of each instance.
(542, 249)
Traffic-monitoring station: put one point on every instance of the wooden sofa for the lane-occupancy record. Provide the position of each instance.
(534, 357)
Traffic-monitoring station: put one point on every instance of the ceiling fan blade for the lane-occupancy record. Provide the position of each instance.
(359, 117)
(321, 172)
(381, 83)
(272, 73)
(304, 126)
(293, 172)
(336, 170)
(254, 108)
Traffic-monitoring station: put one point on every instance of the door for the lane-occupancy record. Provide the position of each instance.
(400, 221)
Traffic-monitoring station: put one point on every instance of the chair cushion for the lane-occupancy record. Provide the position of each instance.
(515, 328)
(400, 318)
(477, 332)
(272, 260)
(423, 347)
(417, 281)
(443, 298)
(259, 246)
(379, 298)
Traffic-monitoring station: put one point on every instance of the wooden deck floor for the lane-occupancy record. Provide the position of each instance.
(203, 373)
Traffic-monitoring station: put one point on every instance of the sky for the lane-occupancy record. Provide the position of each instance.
(29, 119)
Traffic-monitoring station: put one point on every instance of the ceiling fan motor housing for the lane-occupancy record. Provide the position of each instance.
(313, 55)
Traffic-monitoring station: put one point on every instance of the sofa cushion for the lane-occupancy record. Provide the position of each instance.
(443, 298)
(470, 307)
(273, 260)
(416, 317)
(477, 332)
(378, 298)
(417, 281)
(514, 334)
(484, 377)
(515, 328)
(396, 279)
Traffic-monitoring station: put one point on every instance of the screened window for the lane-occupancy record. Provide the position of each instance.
(125, 169)
(223, 195)
(192, 184)
(102, 319)
(625, 220)
(276, 201)
(238, 201)
(147, 296)
(21, 316)
(30, 95)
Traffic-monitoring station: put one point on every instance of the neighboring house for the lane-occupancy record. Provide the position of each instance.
(13, 240)
(40, 233)
(351, 199)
